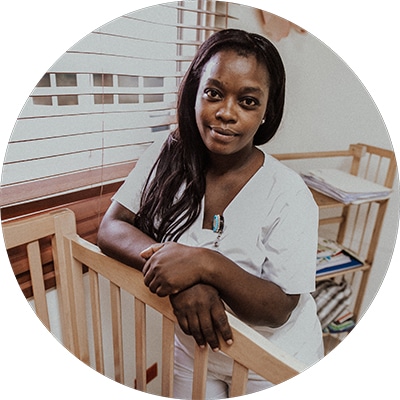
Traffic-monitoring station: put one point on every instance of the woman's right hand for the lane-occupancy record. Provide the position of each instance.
(201, 314)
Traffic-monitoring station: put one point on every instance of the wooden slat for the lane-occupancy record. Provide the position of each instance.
(140, 344)
(16, 233)
(239, 380)
(96, 321)
(38, 283)
(128, 279)
(116, 317)
(200, 372)
(70, 289)
(168, 333)
(19, 260)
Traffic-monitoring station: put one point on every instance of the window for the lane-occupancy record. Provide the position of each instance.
(102, 80)
(45, 81)
(43, 100)
(66, 80)
(67, 100)
(128, 81)
(99, 107)
(103, 99)
(153, 82)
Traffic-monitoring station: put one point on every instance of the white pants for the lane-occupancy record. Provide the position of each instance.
(217, 384)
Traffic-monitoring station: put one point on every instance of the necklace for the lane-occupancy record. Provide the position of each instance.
(218, 227)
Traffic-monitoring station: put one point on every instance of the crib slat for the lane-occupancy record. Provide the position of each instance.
(39, 291)
(168, 332)
(116, 318)
(96, 320)
(239, 380)
(140, 343)
(78, 320)
(200, 373)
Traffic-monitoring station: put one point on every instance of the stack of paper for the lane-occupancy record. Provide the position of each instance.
(344, 187)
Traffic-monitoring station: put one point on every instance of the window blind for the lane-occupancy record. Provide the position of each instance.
(105, 100)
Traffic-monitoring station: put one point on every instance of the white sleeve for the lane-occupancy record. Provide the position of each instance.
(129, 194)
(291, 244)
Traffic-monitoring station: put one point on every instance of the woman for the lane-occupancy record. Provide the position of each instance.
(214, 222)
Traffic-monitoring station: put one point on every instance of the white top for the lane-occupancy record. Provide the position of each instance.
(271, 231)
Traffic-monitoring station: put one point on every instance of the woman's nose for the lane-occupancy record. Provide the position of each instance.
(227, 111)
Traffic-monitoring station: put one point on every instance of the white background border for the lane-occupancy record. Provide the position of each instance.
(34, 34)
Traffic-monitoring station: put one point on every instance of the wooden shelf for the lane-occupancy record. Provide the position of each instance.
(358, 226)
(335, 274)
(324, 201)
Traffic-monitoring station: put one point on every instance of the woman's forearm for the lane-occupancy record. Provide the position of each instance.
(254, 300)
(119, 239)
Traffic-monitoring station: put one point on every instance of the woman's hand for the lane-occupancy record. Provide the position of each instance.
(201, 314)
(171, 267)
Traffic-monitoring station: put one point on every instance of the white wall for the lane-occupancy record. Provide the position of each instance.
(327, 108)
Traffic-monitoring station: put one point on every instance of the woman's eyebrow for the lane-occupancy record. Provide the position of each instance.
(245, 89)
(215, 82)
(252, 89)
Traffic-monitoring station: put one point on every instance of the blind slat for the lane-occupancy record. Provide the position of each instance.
(84, 119)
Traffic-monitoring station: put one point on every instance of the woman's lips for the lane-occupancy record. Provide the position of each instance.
(225, 134)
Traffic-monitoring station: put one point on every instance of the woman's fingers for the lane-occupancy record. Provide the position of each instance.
(147, 253)
(201, 314)
(208, 330)
(221, 324)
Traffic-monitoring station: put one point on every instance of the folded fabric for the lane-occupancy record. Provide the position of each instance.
(331, 299)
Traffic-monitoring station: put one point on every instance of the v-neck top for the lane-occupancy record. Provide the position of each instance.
(270, 230)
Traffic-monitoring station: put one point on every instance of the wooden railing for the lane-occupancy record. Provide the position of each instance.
(249, 351)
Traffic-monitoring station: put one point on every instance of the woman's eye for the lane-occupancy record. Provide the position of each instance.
(249, 102)
(212, 94)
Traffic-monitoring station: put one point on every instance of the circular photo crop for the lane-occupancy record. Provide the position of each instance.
(199, 199)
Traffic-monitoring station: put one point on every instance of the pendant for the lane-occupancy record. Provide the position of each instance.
(218, 223)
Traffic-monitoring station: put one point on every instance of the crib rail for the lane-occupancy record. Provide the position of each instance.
(80, 265)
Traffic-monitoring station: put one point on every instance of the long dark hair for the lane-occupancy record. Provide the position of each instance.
(171, 199)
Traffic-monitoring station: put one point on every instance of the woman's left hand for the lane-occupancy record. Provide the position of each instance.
(171, 268)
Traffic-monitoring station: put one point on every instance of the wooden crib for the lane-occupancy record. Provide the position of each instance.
(78, 267)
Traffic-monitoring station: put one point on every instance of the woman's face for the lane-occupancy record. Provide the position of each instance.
(231, 102)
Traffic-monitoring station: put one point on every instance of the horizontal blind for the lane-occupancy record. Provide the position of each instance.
(105, 101)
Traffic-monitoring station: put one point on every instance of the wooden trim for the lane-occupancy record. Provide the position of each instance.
(72, 200)
(364, 267)
(23, 192)
(314, 154)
